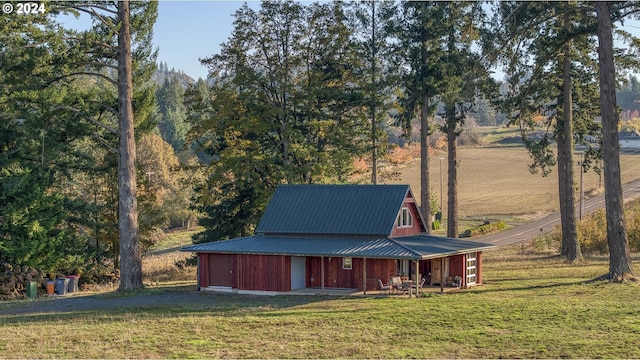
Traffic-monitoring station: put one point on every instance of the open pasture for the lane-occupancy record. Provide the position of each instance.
(496, 182)
(531, 306)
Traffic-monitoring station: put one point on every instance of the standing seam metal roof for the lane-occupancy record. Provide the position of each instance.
(333, 209)
(414, 247)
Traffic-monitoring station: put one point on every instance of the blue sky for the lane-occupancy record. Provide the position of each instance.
(186, 31)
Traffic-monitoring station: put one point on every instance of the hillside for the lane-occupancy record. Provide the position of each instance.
(161, 75)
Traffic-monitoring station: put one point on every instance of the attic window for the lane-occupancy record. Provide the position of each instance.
(405, 219)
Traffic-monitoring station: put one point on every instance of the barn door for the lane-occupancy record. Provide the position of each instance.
(437, 272)
(220, 270)
(298, 272)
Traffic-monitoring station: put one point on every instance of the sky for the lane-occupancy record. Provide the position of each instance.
(187, 31)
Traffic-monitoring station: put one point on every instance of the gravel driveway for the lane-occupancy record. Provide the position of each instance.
(111, 300)
(185, 296)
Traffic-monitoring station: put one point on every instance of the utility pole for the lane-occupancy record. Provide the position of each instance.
(582, 165)
(441, 192)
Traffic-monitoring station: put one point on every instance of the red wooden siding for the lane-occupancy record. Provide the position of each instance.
(203, 270)
(337, 277)
(417, 227)
(264, 272)
(273, 272)
(458, 267)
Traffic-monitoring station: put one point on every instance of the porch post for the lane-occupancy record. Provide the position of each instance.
(478, 268)
(364, 276)
(418, 277)
(442, 278)
(322, 273)
(198, 270)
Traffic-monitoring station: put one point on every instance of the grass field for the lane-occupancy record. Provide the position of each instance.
(495, 182)
(531, 306)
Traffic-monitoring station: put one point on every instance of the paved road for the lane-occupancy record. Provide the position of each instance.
(547, 223)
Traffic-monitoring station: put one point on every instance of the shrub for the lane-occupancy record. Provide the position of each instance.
(485, 229)
(632, 218)
(592, 232)
(548, 241)
(435, 224)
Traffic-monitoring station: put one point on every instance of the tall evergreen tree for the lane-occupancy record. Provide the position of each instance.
(437, 64)
(419, 52)
(371, 23)
(173, 118)
(541, 70)
(120, 37)
(619, 253)
(285, 108)
(463, 76)
(38, 148)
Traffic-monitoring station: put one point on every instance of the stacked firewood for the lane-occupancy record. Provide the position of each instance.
(14, 280)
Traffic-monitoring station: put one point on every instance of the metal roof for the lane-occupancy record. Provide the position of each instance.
(414, 247)
(333, 209)
(628, 135)
(429, 246)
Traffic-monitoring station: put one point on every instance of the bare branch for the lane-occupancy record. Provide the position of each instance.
(103, 44)
(110, 80)
(105, 143)
(113, 111)
(97, 64)
(91, 10)
(91, 120)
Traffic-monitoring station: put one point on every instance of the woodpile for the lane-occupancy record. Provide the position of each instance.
(14, 280)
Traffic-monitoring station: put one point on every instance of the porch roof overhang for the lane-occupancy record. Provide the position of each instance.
(415, 247)
(430, 247)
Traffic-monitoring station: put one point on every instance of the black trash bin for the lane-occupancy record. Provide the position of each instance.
(73, 284)
(61, 286)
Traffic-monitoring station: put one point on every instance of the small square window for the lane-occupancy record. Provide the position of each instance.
(347, 263)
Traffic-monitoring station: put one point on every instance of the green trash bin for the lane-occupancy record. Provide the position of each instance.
(32, 289)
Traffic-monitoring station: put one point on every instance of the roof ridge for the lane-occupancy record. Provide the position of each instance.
(405, 247)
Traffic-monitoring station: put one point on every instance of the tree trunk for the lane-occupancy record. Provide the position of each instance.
(374, 150)
(425, 195)
(452, 175)
(619, 255)
(570, 244)
(130, 258)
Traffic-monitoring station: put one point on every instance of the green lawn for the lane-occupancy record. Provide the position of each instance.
(531, 306)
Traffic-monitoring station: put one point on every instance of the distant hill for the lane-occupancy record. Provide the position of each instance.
(163, 73)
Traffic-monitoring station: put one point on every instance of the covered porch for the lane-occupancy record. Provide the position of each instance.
(281, 264)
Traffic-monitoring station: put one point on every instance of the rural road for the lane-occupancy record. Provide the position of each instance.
(529, 230)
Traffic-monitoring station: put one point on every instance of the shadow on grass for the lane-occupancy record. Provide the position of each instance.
(168, 302)
(493, 289)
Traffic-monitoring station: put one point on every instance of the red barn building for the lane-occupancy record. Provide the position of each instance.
(336, 236)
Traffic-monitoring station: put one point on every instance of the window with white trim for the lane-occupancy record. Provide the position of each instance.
(472, 264)
(347, 263)
(405, 219)
(402, 268)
